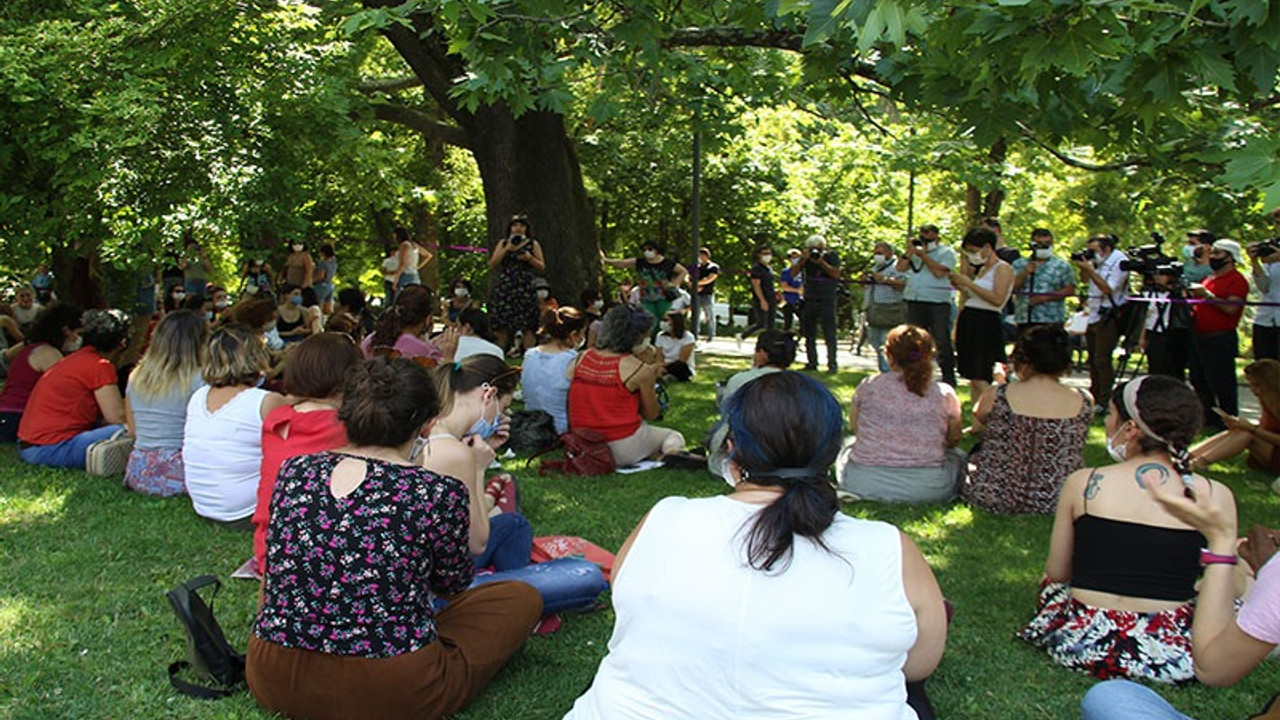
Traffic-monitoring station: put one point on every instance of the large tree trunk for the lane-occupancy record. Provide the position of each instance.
(529, 166)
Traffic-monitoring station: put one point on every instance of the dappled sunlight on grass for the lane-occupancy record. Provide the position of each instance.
(937, 527)
(15, 615)
(46, 504)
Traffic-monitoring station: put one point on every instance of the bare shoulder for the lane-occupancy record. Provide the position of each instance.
(449, 456)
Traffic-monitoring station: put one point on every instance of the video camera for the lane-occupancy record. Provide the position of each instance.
(1150, 260)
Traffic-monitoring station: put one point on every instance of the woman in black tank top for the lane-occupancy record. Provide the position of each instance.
(1121, 572)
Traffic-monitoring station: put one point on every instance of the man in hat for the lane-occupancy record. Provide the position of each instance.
(1214, 344)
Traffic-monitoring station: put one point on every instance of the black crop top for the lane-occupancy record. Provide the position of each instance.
(1135, 560)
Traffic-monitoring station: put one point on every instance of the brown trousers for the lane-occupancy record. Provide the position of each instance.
(476, 634)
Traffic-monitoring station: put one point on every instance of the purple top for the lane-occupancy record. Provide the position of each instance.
(409, 346)
(352, 575)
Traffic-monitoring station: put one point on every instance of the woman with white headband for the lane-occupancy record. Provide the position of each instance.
(1116, 597)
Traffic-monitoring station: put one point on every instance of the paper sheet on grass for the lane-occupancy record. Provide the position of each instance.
(640, 466)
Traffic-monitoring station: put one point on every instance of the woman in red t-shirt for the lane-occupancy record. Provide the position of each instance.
(309, 423)
(56, 327)
(614, 391)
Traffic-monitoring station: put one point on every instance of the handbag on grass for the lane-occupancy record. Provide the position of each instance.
(208, 652)
(586, 452)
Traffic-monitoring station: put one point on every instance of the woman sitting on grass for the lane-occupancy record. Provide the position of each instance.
(155, 405)
(1033, 430)
(614, 391)
(475, 394)
(56, 329)
(769, 602)
(76, 403)
(313, 380)
(401, 328)
(359, 541)
(677, 346)
(1121, 574)
(1262, 438)
(222, 438)
(906, 427)
(545, 375)
(775, 351)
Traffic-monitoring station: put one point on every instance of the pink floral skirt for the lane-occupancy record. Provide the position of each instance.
(156, 472)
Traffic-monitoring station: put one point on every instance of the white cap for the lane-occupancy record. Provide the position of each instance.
(1229, 245)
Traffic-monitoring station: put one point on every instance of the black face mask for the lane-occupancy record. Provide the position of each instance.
(1217, 263)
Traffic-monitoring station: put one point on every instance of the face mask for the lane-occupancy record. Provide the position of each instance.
(208, 316)
(485, 428)
(650, 254)
(543, 294)
(269, 327)
(665, 327)
(297, 248)
(725, 474)
(1189, 252)
(766, 259)
(642, 346)
(1096, 260)
(73, 345)
(220, 304)
(976, 258)
(930, 245)
(1217, 263)
(597, 305)
(296, 300)
(461, 292)
(882, 259)
(1117, 453)
(1042, 253)
(179, 296)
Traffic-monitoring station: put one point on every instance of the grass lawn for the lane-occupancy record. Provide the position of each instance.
(85, 631)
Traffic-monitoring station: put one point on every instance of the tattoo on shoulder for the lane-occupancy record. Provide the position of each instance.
(1094, 486)
(1151, 474)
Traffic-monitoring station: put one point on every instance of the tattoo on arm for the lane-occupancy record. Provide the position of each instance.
(1153, 473)
(1093, 487)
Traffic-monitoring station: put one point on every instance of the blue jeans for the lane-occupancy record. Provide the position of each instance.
(1125, 700)
(876, 336)
(68, 453)
(407, 278)
(707, 316)
(510, 543)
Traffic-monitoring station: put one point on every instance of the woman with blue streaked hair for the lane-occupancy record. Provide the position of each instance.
(768, 601)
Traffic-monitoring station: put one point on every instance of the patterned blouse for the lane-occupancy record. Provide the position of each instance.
(354, 575)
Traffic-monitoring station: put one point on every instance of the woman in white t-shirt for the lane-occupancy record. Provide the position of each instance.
(222, 438)
(768, 601)
(676, 344)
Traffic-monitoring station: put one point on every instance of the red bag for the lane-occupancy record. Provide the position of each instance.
(586, 452)
(551, 547)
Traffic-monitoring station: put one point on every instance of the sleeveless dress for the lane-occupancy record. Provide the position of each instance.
(1024, 460)
(513, 301)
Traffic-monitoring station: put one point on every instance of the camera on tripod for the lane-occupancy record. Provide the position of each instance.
(1150, 261)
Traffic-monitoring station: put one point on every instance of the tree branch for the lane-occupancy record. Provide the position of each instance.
(729, 36)
(423, 123)
(388, 85)
(1081, 164)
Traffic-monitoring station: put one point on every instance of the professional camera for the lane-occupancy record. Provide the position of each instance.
(1086, 254)
(917, 242)
(1150, 260)
(1263, 248)
(519, 244)
(815, 253)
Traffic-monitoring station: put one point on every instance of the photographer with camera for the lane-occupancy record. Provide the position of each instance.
(512, 301)
(1264, 259)
(1215, 345)
(1108, 291)
(821, 270)
(928, 266)
(1044, 281)
(1195, 253)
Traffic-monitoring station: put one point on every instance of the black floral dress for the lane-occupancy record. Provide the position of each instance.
(512, 301)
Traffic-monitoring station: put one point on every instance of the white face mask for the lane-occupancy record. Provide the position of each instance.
(1119, 453)
(726, 475)
(73, 345)
(766, 259)
(665, 326)
(976, 258)
(1042, 253)
(542, 294)
(220, 304)
(179, 296)
(297, 247)
(642, 346)
(597, 305)
(461, 292)
(650, 254)
(930, 245)
(882, 259)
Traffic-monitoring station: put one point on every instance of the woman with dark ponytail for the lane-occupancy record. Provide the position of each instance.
(400, 330)
(1116, 597)
(768, 601)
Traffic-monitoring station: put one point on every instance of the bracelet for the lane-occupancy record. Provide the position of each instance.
(1209, 558)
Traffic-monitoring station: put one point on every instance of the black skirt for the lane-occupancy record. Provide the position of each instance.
(979, 343)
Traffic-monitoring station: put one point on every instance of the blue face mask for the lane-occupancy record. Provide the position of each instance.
(296, 300)
(485, 428)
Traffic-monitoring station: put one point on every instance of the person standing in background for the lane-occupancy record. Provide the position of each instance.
(1043, 282)
(885, 307)
(1264, 258)
(322, 278)
(1196, 254)
(410, 259)
(299, 268)
(195, 265)
(1214, 343)
(764, 298)
(928, 265)
(821, 270)
(708, 273)
(792, 281)
(1108, 287)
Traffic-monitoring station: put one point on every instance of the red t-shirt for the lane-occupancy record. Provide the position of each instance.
(1217, 318)
(307, 433)
(62, 404)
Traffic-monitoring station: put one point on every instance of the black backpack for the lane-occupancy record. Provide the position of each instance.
(207, 648)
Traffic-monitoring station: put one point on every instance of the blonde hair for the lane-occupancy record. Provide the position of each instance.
(1265, 374)
(174, 358)
(236, 356)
